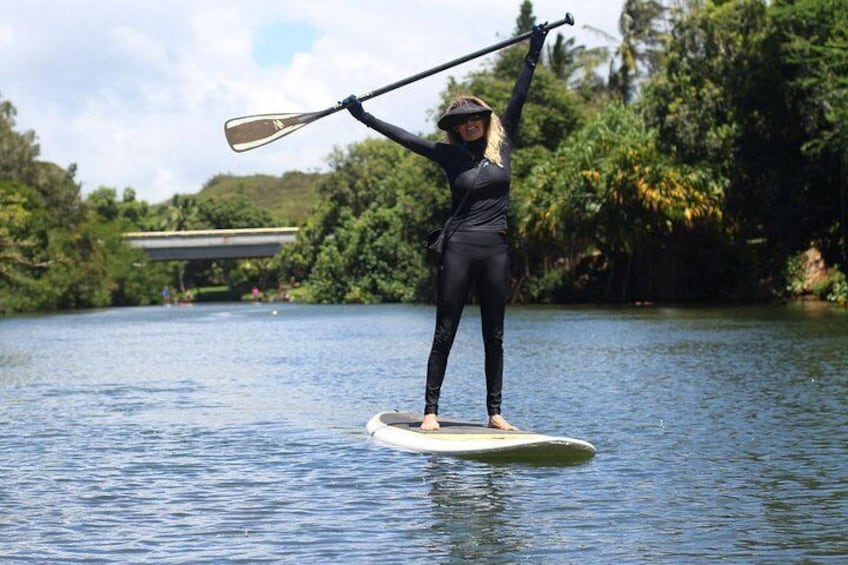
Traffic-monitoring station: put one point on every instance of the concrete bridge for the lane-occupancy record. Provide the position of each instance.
(211, 244)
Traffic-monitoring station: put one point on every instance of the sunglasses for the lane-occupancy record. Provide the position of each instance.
(471, 118)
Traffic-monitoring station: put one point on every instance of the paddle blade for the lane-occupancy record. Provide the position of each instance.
(250, 132)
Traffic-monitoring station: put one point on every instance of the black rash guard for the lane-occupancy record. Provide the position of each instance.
(486, 207)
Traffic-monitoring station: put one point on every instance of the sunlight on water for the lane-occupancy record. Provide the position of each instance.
(226, 433)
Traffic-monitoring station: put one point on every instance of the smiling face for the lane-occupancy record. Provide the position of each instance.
(472, 128)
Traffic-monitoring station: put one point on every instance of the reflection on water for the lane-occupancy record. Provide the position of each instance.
(470, 510)
(226, 433)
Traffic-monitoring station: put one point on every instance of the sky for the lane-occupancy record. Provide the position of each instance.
(136, 93)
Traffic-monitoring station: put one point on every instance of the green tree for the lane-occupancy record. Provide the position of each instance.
(131, 278)
(104, 202)
(181, 214)
(18, 151)
(22, 229)
(697, 100)
(53, 258)
(610, 211)
(564, 57)
(525, 20)
(814, 47)
(743, 92)
(236, 211)
(710, 106)
(363, 242)
(56, 250)
(638, 51)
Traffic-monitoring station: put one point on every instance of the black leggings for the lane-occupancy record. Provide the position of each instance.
(482, 258)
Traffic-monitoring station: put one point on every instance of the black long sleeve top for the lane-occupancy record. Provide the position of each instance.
(485, 208)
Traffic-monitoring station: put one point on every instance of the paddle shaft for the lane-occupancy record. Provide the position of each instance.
(568, 19)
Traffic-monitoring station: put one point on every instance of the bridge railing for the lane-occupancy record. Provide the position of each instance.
(212, 244)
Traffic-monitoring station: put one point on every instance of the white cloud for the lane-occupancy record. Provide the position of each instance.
(5, 36)
(136, 94)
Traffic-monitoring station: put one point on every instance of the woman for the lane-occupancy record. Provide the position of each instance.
(476, 160)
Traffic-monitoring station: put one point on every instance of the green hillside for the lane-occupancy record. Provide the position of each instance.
(288, 198)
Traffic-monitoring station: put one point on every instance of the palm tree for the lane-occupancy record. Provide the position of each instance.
(639, 47)
(526, 20)
(564, 57)
(181, 214)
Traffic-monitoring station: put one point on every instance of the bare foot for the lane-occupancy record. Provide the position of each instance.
(430, 423)
(497, 421)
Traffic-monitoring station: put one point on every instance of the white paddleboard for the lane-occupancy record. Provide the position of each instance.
(474, 440)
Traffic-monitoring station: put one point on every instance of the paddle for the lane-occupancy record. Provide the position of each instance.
(249, 132)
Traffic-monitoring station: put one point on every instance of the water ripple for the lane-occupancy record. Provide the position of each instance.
(223, 433)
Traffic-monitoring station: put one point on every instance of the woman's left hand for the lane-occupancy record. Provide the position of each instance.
(537, 39)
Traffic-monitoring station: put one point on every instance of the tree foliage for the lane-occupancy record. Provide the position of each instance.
(637, 50)
(363, 243)
(288, 198)
(814, 48)
(742, 91)
(609, 203)
(57, 251)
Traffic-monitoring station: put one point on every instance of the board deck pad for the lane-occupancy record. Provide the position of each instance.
(467, 439)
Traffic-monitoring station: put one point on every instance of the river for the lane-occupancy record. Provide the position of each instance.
(235, 433)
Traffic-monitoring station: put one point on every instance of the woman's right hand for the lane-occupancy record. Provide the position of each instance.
(354, 106)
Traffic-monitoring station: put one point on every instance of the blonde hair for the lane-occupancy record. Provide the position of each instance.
(493, 131)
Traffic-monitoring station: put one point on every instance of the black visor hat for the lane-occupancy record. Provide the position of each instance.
(460, 113)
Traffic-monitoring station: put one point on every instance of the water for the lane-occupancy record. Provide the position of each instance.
(229, 434)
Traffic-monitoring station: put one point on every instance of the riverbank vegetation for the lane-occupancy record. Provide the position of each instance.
(699, 156)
